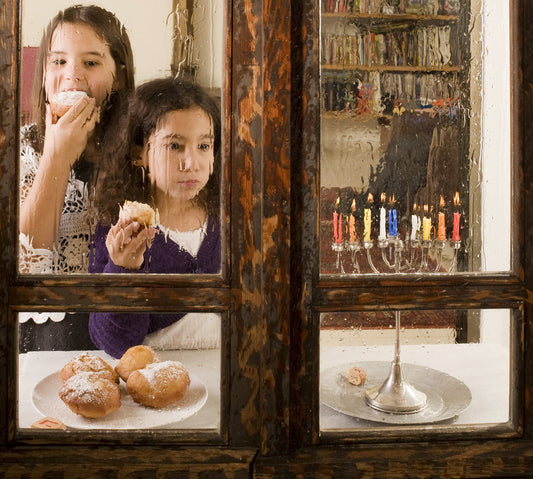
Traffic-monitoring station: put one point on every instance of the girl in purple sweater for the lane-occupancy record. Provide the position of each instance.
(175, 125)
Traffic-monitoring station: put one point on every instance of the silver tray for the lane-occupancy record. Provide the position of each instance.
(446, 396)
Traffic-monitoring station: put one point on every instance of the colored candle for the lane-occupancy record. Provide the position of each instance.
(351, 224)
(368, 224)
(339, 232)
(426, 225)
(456, 219)
(393, 223)
(456, 222)
(426, 228)
(441, 231)
(352, 229)
(337, 222)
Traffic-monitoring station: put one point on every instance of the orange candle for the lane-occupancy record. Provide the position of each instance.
(351, 226)
(368, 219)
(426, 225)
(441, 231)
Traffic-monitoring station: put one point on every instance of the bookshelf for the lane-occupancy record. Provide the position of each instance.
(395, 78)
(413, 53)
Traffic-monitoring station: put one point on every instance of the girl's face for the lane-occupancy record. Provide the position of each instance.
(179, 154)
(79, 60)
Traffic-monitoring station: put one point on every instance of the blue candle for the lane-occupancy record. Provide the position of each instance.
(393, 223)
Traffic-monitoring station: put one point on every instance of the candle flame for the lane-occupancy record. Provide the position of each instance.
(370, 198)
(426, 209)
(337, 201)
(414, 206)
(383, 197)
(456, 198)
(353, 204)
(441, 201)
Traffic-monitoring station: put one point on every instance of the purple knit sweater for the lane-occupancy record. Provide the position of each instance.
(116, 332)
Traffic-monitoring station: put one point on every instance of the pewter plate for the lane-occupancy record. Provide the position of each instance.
(447, 396)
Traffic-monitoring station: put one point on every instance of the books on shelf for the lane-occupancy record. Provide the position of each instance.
(379, 93)
(392, 7)
(419, 47)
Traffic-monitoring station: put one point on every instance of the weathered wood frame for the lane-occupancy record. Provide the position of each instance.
(270, 289)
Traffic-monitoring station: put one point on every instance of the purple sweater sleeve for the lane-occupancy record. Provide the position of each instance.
(116, 332)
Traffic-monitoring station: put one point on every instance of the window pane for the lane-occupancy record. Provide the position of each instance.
(78, 170)
(415, 137)
(448, 368)
(159, 397)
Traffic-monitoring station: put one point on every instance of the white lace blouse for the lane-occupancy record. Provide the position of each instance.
(71, 254)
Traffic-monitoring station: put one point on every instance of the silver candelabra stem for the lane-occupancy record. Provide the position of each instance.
(396, 395)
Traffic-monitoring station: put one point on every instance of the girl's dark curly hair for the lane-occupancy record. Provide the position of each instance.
(151, 102)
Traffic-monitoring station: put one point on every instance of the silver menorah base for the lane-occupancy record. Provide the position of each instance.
(396, 395)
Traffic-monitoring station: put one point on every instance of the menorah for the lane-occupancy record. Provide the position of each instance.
(395, 395)
(398, 256)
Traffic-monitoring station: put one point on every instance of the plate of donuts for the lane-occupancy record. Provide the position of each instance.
(89, 399)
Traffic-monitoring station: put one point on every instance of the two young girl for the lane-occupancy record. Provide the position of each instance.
(176, 126)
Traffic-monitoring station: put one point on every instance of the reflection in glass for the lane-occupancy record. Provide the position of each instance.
(415, 135)
(194, 341)
(62, 204)
(462, 361)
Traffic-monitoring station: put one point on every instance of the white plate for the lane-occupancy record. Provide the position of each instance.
(130, 415)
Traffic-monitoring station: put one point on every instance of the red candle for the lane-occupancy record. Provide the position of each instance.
(337, 222)
(456, 220)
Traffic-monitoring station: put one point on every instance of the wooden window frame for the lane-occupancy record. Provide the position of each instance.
(271, 289)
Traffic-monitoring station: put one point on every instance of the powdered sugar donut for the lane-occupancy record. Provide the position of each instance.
(159, 384)
(90, 395)
(136, 357)
(62, 101)
(86, 362)
(144, 214)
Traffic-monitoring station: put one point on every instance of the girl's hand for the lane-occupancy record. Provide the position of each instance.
(126, 243)
(67, 139)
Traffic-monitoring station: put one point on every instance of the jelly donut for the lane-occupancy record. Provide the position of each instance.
(87, 362)
(90, 395)
(159, 384)
(136, 357)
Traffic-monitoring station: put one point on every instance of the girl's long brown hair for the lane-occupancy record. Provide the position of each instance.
(109, 28)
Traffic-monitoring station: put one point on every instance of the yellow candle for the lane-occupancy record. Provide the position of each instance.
(426, 228)
(368, 224)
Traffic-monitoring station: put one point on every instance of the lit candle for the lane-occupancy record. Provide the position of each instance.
(339, 233)
(382, 214)
(426, 225)
(393, 220)
(336, 221)
(456, 219)
(441, 231)
(368, 219)
(351, 227)
(415, 226)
